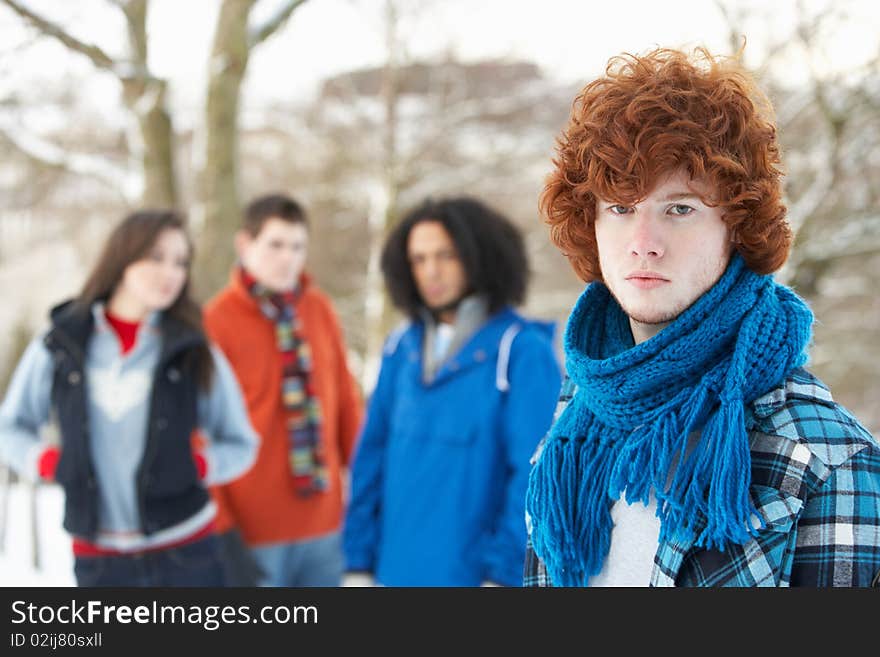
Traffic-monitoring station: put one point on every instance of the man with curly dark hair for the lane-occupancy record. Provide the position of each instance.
(466, 390)
(690, 446)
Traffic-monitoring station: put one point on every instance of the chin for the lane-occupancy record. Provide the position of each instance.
(652, 320)
(645, 313)
(652, 315)
(436, 306)
(165, 305)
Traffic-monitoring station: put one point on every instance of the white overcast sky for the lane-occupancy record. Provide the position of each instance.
(570, 39)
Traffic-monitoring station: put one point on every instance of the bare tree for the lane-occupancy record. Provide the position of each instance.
(384, 197)
(144, 96)
(219, 202)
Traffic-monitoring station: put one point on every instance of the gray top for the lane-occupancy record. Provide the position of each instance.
(118, 406)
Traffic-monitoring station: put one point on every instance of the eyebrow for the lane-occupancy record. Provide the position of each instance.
(677, 196)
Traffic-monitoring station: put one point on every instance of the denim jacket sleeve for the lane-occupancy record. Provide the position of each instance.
(232, 441)
(25, 410)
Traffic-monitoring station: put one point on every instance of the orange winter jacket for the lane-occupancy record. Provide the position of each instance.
(263, 503)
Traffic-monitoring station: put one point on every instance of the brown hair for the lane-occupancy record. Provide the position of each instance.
(272, 206)
(129, 242)
(654, 114)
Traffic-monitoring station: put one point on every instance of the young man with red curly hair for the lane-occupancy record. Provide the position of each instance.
(691, 448)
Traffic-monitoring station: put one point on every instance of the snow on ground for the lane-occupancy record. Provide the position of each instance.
(55, 563)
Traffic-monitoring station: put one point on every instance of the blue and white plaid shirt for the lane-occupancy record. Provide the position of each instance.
(815, 481)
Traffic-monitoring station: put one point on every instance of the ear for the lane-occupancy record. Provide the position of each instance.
(242, 241)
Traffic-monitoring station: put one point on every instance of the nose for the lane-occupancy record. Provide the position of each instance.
(286, 258)
(431, 268)
(646, 240)
(171, 272)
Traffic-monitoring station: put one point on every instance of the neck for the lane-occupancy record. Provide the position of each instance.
(448, 313)
(298, 281)
(126, 308)
(447, 317)
(643, 332)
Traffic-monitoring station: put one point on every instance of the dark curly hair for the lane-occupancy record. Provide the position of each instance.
(490, 247)
(654, 114)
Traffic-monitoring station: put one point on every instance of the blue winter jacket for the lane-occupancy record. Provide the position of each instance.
(441, 470)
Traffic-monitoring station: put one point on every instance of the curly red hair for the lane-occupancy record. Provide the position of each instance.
(652, 115)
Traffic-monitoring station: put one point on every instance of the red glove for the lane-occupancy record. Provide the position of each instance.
(201, 463)
(47, 462)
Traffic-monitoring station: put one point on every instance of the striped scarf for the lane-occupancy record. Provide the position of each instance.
(303, 410)
(627, 427)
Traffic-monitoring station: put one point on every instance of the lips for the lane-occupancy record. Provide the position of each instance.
(646, 280)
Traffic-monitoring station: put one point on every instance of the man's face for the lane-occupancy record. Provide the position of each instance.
(277, 255)
(438, 272)
(663, 253)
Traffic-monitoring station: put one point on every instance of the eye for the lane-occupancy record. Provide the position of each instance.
(680, 210)
(619, 209)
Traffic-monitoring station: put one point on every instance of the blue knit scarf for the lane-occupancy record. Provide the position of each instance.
(627, 426)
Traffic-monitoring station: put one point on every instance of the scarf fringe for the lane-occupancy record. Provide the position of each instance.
(574, 535)
(730, 508)
(572, 490)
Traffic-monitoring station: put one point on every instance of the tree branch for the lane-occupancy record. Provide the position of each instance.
(98, 57)
(47, 27)
(272, 25)
(53, 156)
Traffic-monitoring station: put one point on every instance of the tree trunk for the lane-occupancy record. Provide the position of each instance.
(145, 98)
(219, 198)
(378, 311)
(384, 208)
(154, 143)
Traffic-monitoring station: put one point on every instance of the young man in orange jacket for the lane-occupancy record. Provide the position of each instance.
(283, 339)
